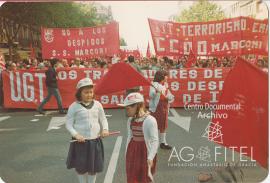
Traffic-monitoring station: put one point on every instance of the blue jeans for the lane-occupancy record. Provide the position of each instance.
(56, 93)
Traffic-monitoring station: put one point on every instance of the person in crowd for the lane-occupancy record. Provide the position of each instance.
(141, 152)
(131, 61)
(52, 88)
(160, 97)
(77, 63)
(87, 123)
(13, 67)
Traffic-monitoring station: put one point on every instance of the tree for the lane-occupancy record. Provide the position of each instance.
(123, 42)
(200, 11)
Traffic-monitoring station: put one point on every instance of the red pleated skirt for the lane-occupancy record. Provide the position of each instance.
(136, 163)
(161, 115)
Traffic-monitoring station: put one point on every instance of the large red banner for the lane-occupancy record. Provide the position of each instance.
(27, 89)
(85, 42)
(235, 36)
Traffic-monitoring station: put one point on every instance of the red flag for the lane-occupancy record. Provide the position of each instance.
(121, 76)
(148, 53)
(191, 59)
(247, 127)
(33, 54)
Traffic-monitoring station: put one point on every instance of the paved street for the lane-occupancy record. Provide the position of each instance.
(34, 149)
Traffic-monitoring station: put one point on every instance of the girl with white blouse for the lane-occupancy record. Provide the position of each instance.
(143, 142)
(87, 123)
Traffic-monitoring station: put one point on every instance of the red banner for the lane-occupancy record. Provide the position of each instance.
(235, 36)
(27, 89)
(87, 42)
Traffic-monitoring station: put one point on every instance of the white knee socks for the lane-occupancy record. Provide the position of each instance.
(82, 178)
(92, 178)
(163, 138)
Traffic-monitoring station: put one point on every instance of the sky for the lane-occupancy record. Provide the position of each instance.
(132, 17)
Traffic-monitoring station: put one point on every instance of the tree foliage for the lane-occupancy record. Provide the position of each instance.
(123, 42)
(200, 11)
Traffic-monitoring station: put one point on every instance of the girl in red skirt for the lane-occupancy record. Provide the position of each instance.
(142, 141)
(160, 97)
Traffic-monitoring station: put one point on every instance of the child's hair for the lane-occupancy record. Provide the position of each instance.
(78, 94)
(160, 76)
(139, 106)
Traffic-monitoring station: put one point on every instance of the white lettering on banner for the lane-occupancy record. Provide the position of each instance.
(187, 47)
(214, 96)
(115, 99)
(96, 75)
(216, 73)
(99, 30)
(186, 74)
(257, 27)
(235, 45)
(85, 42)
(40, 76)
(88, 52)
(175, 86)
(172, 42)
(187, 98)
(217, 28)
(80, 32)
(26, 87)
(158, 39)
(63, 75)
(204, 86)
(202, 47)
(65, 32)
(12, 86)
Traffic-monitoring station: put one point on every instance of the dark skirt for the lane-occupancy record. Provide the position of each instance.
(136, 163)
(87, 156)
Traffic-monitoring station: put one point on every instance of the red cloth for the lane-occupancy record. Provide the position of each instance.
(136, 157)
(161, 114)
(191, 59)
(148, 53)
(247, 85)
(33, 54)
(121, 76)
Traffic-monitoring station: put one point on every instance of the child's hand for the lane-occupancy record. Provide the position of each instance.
(80, 138)
(104, 133)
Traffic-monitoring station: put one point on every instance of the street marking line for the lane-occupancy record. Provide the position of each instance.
(39, 115)
(1, 180)
(7, 130)
(4, 118)
(34, 120)
(183, 122)
(56, 122)
(55, 127)
(113, 162)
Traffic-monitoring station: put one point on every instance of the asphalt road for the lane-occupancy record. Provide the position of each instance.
(34, 150)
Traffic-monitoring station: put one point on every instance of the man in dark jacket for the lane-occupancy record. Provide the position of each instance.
(52, 87)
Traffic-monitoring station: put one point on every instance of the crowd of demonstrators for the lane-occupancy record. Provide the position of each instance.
(153, 63)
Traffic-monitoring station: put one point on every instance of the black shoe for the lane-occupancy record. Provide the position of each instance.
(41, 112)
(62, 112)
(165, 146)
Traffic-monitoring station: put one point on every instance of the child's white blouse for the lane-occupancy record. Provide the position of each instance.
(86, 122)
